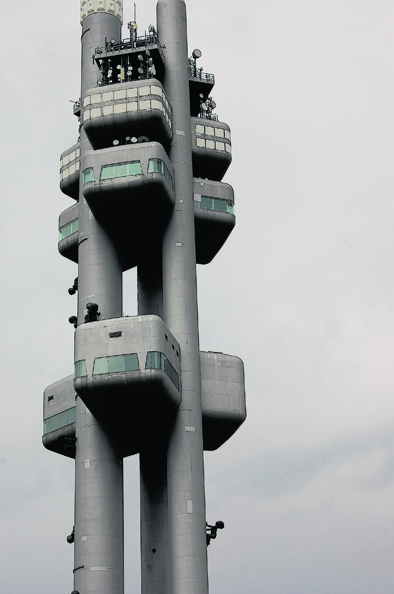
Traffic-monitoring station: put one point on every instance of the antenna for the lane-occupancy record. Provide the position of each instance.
(132, 26)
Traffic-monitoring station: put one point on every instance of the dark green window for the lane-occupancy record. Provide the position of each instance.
(80, 368)
(87, 175)
(120, 170)
(58, 421)
(155, 360)
(217, 204)
(158, 166)
(69, 229)
(116, 364)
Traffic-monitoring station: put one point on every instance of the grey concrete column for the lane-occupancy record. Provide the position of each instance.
(185, 471)
(99, 548)
(154, 520)
(153, 458)
(99, 270)
(150, 283)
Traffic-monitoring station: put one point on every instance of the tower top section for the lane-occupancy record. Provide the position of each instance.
(114, 7)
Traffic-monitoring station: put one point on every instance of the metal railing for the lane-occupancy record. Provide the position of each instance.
(200, 74)
(146, 40)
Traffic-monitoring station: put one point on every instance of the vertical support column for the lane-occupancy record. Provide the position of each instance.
(99, 542)
(150, 282)
(98, 546)
(154, 520)
(153, 457)
(185, 469)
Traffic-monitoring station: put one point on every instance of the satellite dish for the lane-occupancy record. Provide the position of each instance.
(118, 67)
(133, 139)
(142, 139)
(201, 96)
(197, 54)
(113, 41)
(141, 59)
(127, 138)
(213, 104)
(140, 70)
(115, 142)
(150, 61)
(204, 107)
(147, 53)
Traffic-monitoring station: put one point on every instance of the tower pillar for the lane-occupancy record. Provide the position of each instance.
(99, 541)
(185, 468)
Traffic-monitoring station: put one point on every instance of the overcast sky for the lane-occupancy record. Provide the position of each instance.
(303, 292)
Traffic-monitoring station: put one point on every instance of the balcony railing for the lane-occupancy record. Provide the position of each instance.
(135, 43)
(200, 74)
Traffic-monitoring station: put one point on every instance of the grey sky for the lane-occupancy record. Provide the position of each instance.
(303, 292)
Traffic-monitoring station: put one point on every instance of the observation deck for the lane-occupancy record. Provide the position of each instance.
(127, 372)
(69, 171)
(214, 217)
(68, 233)
(114, 370)
(59, 417)
(127, 110)
(214, 220)
(211, 148)
(223, 397)
(136, 181)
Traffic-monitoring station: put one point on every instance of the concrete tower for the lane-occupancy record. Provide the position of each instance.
(145, 175)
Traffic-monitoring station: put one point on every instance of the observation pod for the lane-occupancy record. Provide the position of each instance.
(127, 110)
(59, 417)
(214, 217)
(68, 233)
(69, 171)
(130, 191)
(127, 372)
(211, 142)
(137, 178)
(222, 392)
(214, 220)
(222, 396)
